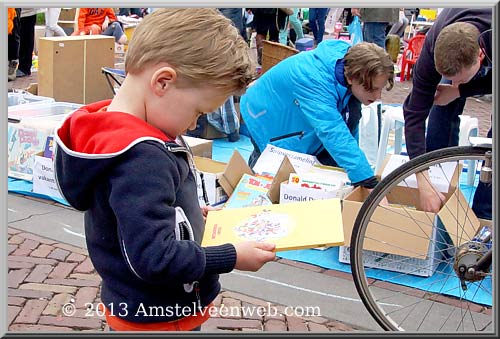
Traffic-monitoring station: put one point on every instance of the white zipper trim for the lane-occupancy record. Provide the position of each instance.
(128, 261)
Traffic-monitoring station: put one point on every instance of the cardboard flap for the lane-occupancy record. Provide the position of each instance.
(233, 172)
(458, 217)
(283, 174)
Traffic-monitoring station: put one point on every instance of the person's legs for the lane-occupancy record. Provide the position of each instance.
(27, 43)
(283, 35)
(375, 32)
(115, 29)
(321, 14)
(296, 24)
(313, 24)
(51, 26)
(482, 202)
(443, 126)
(13, 48)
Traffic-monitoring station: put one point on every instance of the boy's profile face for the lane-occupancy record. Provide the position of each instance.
(180, 107)
(368, 97)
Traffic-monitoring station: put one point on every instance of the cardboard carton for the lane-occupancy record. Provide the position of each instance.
(70, 68)
(200, 147)
(408, 230)
(220, 179)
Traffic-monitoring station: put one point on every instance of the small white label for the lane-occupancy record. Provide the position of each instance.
(61, 44)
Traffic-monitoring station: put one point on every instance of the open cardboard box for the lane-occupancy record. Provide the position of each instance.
(409, 229)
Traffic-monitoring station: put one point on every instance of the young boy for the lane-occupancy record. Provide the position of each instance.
(118, 161)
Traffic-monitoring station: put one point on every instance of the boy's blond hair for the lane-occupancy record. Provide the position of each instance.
(456, 48)
(365, 61)
(201, 44)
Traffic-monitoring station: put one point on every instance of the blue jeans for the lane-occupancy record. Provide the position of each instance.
(443, 126)
(375, 32)
(481, 204)
(317, 18)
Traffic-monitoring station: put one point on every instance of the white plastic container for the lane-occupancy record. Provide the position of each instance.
(42, 109)
(22, 98)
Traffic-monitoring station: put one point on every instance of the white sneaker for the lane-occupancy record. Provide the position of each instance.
(12, 70)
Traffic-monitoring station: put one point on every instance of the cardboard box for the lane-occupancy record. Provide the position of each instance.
(200, 147)
(70, 68)
(220, 179)
(44, 180)
(413, 253)
(25, 140)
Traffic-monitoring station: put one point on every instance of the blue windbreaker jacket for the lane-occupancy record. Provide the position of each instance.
(304, 93)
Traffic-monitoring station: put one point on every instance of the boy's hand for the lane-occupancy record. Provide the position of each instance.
(252, 255)
(431, 199)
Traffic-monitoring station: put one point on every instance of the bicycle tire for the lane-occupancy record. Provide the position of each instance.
(367, 289)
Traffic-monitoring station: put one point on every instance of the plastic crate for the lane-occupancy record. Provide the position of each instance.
(23, 98)
(40, 110)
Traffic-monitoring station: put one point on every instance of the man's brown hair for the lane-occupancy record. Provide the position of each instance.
(201, 44)
(365, 61)
(456, 48)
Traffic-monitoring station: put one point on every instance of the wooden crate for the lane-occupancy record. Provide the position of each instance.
(273, 53)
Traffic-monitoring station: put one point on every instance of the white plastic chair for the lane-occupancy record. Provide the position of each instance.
(468, 128)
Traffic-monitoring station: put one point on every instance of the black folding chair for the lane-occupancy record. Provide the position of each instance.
(114, 77)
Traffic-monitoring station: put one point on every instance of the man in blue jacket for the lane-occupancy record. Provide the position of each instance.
(307, 103)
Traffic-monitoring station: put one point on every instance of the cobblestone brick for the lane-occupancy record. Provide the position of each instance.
(59, 254)
(32, 260)
(12, 311)
(21, 251)
(12, 231)
(62, 270)
(75, 257)
(72, 282)
(84, 276)
(27, 293)
(12, 264)
(48, 287)
(245, 298)
(37, 238)
(85, 295)
(73, 249)
(16, 240)
(226, 323)
(42, 251)
(85, 267)
(54, 306)
(12, 248)
(31, 311)
(16, 277)
(275, 325)
(29, 244)
(230, 308)
(38, 328)
(295, 324)
(336, 325)
(314, 327)
(77, 323)
(39, 273)
(16, 301)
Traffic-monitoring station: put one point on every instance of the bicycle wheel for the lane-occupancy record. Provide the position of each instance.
(404, 261)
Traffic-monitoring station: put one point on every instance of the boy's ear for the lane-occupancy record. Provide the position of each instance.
(162, 79)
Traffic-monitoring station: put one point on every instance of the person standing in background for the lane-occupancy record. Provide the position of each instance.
(13, 42)
(295, 23)
(317, 18)
(27, 40)
(375, 22)
(51, 26)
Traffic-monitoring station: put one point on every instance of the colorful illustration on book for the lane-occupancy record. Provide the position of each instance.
(264, 226)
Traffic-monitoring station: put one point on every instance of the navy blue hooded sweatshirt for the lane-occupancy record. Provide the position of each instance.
(132, 180)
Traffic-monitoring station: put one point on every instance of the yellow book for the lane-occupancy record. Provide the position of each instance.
(290, 226)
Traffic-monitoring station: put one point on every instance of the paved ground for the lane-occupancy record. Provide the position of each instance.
(47, 278)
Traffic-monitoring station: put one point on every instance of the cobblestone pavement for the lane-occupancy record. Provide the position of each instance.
(47, 278)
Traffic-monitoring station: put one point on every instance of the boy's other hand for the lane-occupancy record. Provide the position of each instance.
(252, 255)
(445, 94)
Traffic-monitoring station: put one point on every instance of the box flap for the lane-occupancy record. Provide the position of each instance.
(233, 172)
(208, 165)
(458, 217)
(283, 174)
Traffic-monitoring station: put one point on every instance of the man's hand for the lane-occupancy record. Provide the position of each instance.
(445, 93)
(431, 199)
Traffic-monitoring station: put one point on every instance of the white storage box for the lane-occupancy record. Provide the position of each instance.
(23, 98)
(40, 110)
